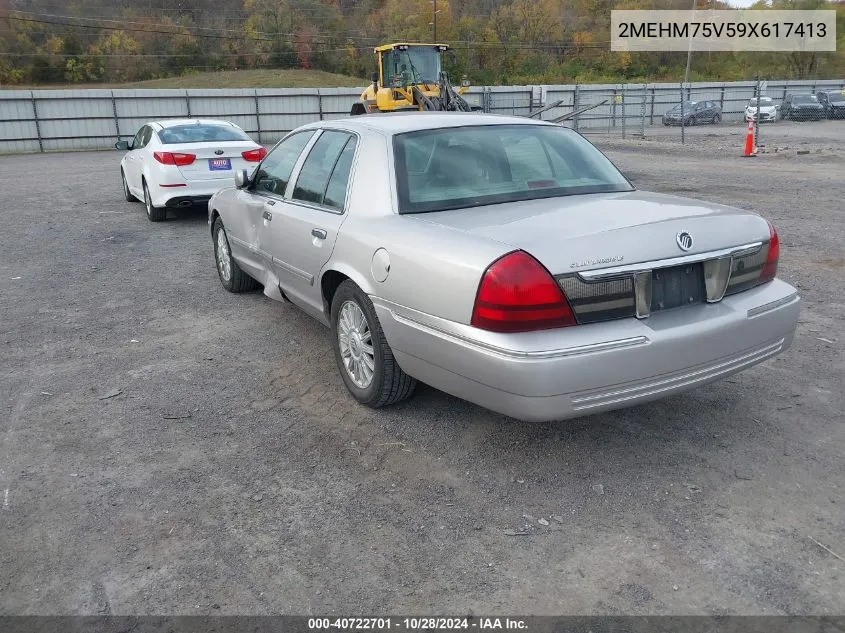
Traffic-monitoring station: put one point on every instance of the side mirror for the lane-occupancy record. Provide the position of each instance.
(241, 178)
(777, 107)
(122, 145)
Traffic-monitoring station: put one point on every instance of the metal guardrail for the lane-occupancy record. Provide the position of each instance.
(45, 120)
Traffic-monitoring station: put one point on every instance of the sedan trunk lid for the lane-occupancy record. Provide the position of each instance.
(594, 231)
(204, 167)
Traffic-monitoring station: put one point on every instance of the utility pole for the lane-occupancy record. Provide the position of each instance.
(689, 47)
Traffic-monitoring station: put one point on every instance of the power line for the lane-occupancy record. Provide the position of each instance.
(457, 44)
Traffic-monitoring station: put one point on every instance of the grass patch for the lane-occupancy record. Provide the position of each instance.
(265, 78)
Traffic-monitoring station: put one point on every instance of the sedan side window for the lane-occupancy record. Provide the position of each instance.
(313, 180)
(136, 142)
(336, 191)
(148, 134)
(274, 172)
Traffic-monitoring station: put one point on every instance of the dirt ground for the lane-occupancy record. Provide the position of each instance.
(169, 448)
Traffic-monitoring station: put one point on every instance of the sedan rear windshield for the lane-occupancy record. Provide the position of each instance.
(764, 102)
(805, 99)
(193, 133)
(454, 168)
(687, 106)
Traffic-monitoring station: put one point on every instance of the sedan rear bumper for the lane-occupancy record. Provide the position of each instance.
(807, 115)
(194, 191)
(591, 368)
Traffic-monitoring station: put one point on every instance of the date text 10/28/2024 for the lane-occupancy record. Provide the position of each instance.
(416, 624)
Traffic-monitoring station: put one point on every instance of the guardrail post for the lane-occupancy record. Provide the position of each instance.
(114, 112)
(35, 118)
(257, 116)
(722, 99)
(575, 101)
(188, 103)
(320, 103)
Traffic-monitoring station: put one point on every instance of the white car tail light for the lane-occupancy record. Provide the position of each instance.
(174, 158)
(254, 155)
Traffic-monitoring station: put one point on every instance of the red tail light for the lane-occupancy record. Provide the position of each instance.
(517, 294)
(770, 269)
(254, 155)
(174, 158)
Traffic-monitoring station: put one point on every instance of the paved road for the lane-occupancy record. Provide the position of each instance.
(167, 447)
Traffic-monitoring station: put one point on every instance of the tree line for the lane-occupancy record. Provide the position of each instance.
(494, 41)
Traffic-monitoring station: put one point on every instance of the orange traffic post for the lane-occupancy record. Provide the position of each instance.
(750, 150)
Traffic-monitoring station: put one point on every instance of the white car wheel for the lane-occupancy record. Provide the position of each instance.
(126, 193)
(154, 214)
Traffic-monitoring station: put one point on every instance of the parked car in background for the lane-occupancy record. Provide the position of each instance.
(833, 102)
(180, 162)
(802, 107)
(503, 260)
(768, 110)
(694, 113)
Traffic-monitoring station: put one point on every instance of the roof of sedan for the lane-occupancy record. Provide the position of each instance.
(171, 122)
(401, 122)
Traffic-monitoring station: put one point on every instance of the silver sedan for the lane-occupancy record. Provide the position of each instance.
(503, 260)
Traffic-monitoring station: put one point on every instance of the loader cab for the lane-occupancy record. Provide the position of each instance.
(402, 65)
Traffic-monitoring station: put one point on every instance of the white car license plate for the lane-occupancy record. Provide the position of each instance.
(219, 164)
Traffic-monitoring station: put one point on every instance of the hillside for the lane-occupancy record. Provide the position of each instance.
(287, 78)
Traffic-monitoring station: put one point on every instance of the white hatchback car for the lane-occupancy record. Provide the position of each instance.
(180, 162)
(768, 110)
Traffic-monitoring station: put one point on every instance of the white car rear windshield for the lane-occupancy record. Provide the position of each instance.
(454, 168)
(765, 102)
(193, 133)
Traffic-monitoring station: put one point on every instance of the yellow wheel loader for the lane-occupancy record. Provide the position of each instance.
(410, 78)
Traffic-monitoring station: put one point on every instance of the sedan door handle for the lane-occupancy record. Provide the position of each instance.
(267, 216)
(319, 233)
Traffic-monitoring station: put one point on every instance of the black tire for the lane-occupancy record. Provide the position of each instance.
(717, 118)
(154, 214)
(389, 384)
(126, 193)
(238, 280)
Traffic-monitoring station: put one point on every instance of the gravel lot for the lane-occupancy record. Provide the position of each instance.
(169, 448)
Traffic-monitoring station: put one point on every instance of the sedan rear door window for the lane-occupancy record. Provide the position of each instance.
(274, 172)
(317, 171)
(335, 197)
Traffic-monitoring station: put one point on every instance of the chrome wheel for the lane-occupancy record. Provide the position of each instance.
(224, 262)
(356, 344)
